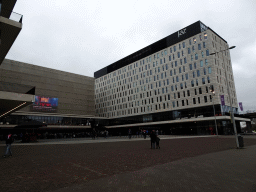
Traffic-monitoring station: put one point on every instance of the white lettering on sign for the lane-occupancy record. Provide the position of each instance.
(181, 32)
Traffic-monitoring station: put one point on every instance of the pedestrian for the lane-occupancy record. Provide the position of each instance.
(157, 142)
(153, 139)
(9, 141)
(144, 134)
(130, 133)
(157, 132)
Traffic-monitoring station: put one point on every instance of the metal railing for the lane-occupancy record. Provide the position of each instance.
(11, 15)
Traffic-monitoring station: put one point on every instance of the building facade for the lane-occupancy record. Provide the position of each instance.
(174, 81)
(61, 98)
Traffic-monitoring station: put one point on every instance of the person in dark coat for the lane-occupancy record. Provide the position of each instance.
(130, 133)
(157, 142)
(153, 139)
(9, 141)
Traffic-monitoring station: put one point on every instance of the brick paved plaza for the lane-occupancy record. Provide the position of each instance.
(182, 164)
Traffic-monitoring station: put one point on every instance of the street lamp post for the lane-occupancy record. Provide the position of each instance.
(231, 110)
(213, 93)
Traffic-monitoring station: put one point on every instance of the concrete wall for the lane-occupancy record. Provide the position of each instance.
(75, 92)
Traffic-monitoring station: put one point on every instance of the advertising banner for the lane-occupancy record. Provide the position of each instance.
(44, 104)
(222, 100)
(241, 106)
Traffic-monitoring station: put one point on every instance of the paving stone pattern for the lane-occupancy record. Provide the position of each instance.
(40, 168)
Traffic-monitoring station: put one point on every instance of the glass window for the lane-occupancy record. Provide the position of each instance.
(195, 65)
(185, 60)
(192, 83)
(195, 92)
(206, 62)
(201, 63)
(181, 61)
(171, 73)
(180, 70)
(204, 44)
(205, 36)
(200, 90)
(193, 48)
(209, 70)
(178, 54)
(194, 74)
(205, 99)
(186, 75)
(177, 79)
(208, 79)
(194, 100)
(179, 46)
(198, 73)
(191, 57)
(190, 66)
(188, 93)
(176, 63)
(207, 52)
(189, 51)
(170, 58)
(204, 71)
(181, 85)
(157, 55)
(202, 54)
(196, 82)
(183, 44)
(194, 39)
(189, 41)
(174, 48)
(203, 80)
(199, 46)
(200, 36)
(183, 68)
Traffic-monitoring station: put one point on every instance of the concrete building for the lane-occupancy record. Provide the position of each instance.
(172, 84)
(61, 98)
(12, 97)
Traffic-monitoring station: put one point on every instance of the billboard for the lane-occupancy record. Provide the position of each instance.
(44, 104)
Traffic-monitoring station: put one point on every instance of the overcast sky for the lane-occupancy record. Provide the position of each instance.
(83, 36)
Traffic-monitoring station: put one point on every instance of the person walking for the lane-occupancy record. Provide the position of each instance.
(130, 133)
(9, 141)
(153, 139)
(157, 142)
(144, 134)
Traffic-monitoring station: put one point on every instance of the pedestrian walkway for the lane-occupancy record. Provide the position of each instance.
(98, 140)
(229, 171)
(187, 163)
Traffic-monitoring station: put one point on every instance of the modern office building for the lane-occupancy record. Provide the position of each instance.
(172, 84)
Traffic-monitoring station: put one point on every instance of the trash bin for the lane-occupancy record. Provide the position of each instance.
(240, 141)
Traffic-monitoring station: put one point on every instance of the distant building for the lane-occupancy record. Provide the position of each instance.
(169, 85)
